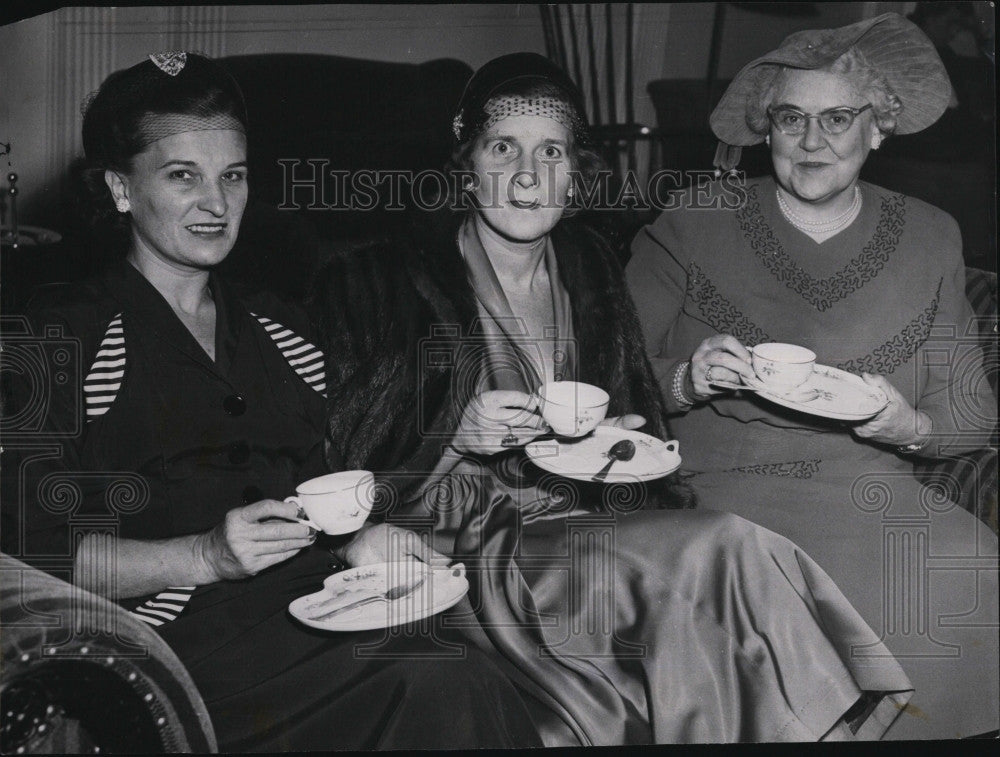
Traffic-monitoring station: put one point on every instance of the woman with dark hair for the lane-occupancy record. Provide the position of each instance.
(203, 408)
(873, 283)
(628, 623)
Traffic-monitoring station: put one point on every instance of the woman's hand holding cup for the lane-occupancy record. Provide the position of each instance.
(497, 420)
(246, 542)
(719, 358)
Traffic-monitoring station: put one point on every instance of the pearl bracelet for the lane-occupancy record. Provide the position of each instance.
(677, 385)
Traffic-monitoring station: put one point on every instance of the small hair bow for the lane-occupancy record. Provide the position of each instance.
(170, 63)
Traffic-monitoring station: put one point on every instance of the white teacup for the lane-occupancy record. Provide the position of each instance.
(783, 366)
(337, 503)
(572, 408)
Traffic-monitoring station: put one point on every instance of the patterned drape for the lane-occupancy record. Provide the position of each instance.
(591, 42)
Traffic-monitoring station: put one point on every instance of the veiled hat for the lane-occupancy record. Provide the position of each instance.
(564, 101)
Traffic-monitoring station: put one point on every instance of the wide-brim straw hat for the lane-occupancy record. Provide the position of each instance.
(896, 48)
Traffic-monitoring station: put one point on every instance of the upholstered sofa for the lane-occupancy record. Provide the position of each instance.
(81, 675)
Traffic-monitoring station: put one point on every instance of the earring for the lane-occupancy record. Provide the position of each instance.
(569, 193)
(123, 205)
(876, 140)
(467, 185)
(767, 140)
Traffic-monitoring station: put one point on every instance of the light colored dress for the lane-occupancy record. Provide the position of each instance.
(884, 296)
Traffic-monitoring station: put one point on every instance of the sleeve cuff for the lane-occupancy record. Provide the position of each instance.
(917, 447)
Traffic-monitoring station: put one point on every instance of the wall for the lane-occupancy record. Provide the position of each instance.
(24, 54)
(49, 63)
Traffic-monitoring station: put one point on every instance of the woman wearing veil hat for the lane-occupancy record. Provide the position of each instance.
(872, 282)
(626, 623)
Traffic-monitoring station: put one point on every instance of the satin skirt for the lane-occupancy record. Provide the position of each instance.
(921, 571)
(660, 626)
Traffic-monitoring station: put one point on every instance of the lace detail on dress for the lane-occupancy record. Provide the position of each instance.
(720, 313)
(822, 294)
(892, 353)
(793, 469)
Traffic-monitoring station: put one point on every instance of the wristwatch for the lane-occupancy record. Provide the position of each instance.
(909, 449)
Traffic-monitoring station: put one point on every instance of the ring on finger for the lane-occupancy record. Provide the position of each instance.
(510, 440)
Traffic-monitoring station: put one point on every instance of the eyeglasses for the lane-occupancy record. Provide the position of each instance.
(833, 121)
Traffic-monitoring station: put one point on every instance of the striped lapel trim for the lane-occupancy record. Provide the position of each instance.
(104, 380)
(165, 606)
(304, 357)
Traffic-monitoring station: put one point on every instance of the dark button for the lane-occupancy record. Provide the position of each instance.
(252, 494)
(239, 453)
(234, 404)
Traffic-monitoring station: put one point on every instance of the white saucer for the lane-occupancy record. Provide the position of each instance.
(828, 393)
(581, 458)
(441, 588)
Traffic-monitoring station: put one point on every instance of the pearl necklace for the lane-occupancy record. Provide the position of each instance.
(821, 227)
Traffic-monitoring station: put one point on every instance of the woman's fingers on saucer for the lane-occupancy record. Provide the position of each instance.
(628, 421)
(874, 379)
(881, 382)
(423, 551)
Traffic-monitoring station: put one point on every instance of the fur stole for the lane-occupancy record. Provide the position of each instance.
(388, 314)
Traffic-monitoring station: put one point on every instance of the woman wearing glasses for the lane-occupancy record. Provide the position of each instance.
(873, 283)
